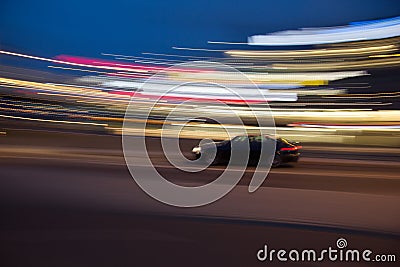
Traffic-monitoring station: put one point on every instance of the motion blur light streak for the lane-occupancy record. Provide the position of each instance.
(315, 53)
(322, 85)
(369, 30)
(53, 121)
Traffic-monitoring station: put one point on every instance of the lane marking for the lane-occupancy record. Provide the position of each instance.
(323, 173)
(345, 161)
(118, 153)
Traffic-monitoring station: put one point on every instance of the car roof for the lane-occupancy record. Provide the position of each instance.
(255, 135)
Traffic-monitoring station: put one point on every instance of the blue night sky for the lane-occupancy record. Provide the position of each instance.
(87, 28)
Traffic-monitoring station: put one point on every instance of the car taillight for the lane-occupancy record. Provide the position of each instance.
(290, 148)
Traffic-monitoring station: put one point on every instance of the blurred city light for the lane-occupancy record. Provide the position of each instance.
(335, 91)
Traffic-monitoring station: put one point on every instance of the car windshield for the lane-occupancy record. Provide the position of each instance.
(240, 139)
(284, 141)
(259, 138)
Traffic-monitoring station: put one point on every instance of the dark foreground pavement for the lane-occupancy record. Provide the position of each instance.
(73, 203)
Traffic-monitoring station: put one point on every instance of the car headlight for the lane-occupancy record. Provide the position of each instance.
(196, 150)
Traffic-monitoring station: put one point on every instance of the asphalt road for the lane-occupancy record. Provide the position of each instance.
(321, 167)
(69, 200)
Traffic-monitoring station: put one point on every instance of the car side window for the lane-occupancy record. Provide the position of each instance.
(240, 139)
(258, 138)
(265, 139)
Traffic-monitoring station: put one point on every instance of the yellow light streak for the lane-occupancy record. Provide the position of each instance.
(312, 53)
(53, 121)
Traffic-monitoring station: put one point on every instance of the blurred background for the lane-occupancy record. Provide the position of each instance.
(327, 72)
(331, 79)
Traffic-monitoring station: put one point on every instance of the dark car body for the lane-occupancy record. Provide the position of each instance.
(285, 151)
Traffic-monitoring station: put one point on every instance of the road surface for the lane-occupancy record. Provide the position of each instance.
(69, 200)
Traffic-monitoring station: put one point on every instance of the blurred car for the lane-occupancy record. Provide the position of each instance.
(285, 151)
